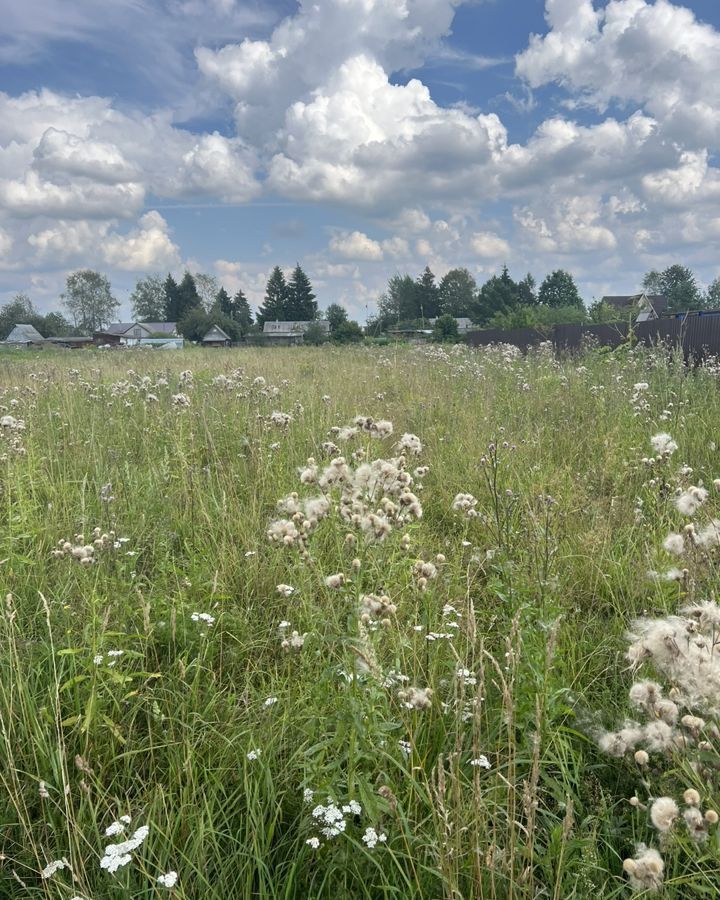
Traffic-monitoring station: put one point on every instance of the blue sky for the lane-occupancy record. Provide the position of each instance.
(359, 138)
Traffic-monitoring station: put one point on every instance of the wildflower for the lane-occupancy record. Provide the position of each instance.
(381, 429)
(313, 842)
(416, 698)
(696, 824)
(691, 500)
(285, 590)
(663, 444)
(180, 400)
(711, 817)
(409, 443)
(43, 791)
(645, 694)
(271, 701)
(168, 880)
(691, 797)
(115, 828)
(335, 581)
(709, 536)
(641, 757)
(296, 641)
(372, 838)
(203, 617)
(252, 755)
(663, 813)
(308, 795)
(482, 761)
(280, 419)
(465, 503)
(55, 866)
(620, 742)
(645, 871)
(118, 855)
(674, 543)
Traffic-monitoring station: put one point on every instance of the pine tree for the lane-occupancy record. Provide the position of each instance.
(427, 295)
(275, 303)
(172, 300)
(241, 311)
(188, 297)
(526, 291)
(223, 303)
(301, 300)
(498, 296)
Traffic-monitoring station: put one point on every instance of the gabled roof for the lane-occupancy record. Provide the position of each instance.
(658, 302)
(24, 334)
(150, 327)
(160, 327)
(216, 333)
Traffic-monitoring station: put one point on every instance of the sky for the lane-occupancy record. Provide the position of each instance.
(359, 138)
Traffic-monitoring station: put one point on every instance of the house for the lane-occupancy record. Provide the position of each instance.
(134, 334)
(463, 323)
(216, 337)
(24, 336)
(648, 306)
(292, 332)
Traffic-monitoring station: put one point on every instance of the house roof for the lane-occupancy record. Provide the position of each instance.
(658, 302)
(216, 333)
(150, 327)
(286, 328)
(24, 334)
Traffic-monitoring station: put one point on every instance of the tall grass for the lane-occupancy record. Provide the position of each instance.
(543, 583)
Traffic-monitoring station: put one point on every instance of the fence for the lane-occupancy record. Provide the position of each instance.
(698, 336)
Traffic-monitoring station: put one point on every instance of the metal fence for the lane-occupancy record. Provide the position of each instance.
(697, 336)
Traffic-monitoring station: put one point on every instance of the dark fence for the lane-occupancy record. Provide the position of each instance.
(518, 337)
(697, 336)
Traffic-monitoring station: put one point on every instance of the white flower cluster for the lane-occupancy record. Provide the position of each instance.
(465, 503)
(84, 552)
(332, 820)
(118, 855)
(374, 497)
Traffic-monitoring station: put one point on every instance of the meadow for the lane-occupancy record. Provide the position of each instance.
(353, 623)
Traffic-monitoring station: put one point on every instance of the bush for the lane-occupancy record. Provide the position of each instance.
(347, 333)
(445, 329)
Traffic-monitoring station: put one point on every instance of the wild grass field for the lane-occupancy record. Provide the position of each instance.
(410, 679)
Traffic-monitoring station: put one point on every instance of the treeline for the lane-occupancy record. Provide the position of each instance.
(502, 302)
(196, 303)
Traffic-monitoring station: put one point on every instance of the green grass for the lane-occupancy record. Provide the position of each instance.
(544, 592)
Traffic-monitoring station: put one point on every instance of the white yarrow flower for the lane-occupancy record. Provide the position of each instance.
(168, 880)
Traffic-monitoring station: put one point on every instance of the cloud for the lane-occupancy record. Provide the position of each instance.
(356, 245)
(33, 196)
(265, 77)
(571, 225)
(632, 52)
(487, 245)
(146, 248)
(59, 152)
(82, 158)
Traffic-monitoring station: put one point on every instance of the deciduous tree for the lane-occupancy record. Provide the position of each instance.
(89, 300)
(148, 299)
